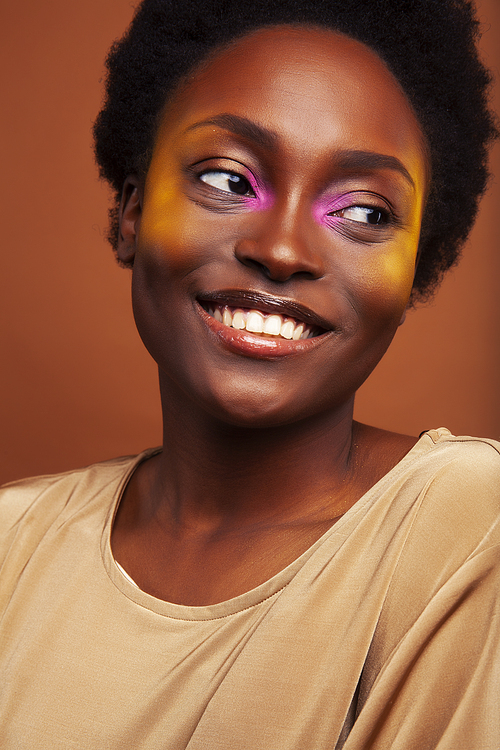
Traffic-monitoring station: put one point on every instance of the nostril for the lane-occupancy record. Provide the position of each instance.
(255, 264)
(246, 252)
(278, 258)
(274, 273)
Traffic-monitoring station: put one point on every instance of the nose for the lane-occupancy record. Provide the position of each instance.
(281, 248)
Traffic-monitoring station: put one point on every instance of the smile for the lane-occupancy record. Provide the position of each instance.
(254, 324)
(259, 322)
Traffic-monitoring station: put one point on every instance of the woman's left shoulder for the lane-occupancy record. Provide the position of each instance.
(454, 481)
(457, 483)
(465, 458)
(436, 464)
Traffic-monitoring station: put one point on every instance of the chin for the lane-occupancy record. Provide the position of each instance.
(261, 409)
(254, 411)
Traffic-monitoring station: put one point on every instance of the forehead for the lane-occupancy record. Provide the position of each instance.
(311, 86)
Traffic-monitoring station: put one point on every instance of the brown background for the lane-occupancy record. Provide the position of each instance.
(76, 384)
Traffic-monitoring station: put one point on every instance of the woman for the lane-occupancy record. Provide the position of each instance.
(277, 576)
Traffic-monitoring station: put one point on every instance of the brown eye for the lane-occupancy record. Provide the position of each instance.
(363, 214)
(228, 182)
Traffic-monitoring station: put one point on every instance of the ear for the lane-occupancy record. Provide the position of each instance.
(129, 219)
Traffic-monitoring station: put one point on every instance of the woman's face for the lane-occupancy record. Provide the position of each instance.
(285, 194)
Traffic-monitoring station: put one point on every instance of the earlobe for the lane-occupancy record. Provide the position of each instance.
(129, 218)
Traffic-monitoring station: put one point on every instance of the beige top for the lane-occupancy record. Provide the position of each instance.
(385, 630)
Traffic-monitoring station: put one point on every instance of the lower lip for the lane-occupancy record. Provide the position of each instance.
(252, 345)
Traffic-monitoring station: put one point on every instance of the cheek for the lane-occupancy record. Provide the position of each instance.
(390, 274)
(167, 231)
(165, 255)
(379, 273)
(383, 281)
(163, 222)
(173, 242)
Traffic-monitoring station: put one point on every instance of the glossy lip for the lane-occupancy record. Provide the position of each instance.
(253, 345)
(253, 300)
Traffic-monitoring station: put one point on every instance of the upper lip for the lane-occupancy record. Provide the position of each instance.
(265, 303)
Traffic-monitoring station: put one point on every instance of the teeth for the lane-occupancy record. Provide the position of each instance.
(238, 320)
(287, 329)
(299, 330)
(272, 325)
(256, 322)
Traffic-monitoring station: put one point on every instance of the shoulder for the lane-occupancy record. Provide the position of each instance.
(37, 502)
(446, 493)
(459, 466)
(450, 555)
(465, 466)
(455, 486)
(464, 444)
(456, 481)
(437, 456)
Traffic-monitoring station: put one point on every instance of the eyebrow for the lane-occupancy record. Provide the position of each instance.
(268, 139)
(241, 126)
(370, 160)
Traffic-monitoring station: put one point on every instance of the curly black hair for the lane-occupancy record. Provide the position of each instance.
(429, 46)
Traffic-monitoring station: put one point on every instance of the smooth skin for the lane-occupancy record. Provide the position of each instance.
(289, 173)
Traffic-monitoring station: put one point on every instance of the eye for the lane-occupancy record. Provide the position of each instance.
(228, 182)
(362, 214)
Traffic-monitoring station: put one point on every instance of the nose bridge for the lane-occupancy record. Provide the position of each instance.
(282, 243)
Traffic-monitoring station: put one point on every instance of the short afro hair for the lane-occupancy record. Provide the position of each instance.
(429, 46)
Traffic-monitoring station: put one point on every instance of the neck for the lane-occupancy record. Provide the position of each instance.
(211, 473)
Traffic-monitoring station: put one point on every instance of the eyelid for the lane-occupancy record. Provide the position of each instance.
(365, 198)
(231, 166)
(328, 205)
(224, 164)
(364, 211)
(229, 173)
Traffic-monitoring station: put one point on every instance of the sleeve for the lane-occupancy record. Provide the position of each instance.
(432, 677)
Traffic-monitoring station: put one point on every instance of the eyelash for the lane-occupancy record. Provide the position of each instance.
(352, 202)
(338, 213)
(233, 177)
(384, 216)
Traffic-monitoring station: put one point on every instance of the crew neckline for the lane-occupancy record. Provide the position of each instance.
(268, 589)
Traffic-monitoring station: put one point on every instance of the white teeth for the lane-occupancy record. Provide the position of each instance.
(256, 322)
(298, 332)
(238, 320)
(287, 329)
(272, 325)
